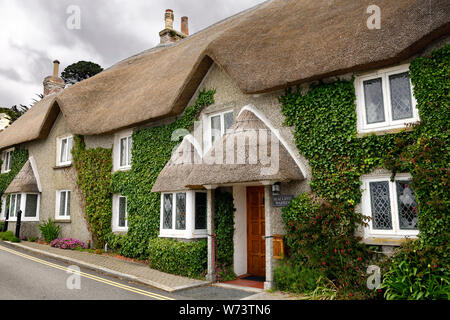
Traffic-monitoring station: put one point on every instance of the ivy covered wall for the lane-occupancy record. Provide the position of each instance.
(321, 225)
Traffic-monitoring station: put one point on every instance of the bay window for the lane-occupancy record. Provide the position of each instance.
(183, 214)
(28, 203)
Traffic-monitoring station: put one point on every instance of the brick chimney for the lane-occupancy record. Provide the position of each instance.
(169, 34)
(53, 83)
(184, 25)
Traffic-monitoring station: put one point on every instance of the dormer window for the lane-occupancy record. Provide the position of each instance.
(385, 100)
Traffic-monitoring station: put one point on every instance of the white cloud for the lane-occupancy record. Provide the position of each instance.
(34, 33)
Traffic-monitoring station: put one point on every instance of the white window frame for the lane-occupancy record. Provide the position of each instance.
(115, 214)
(207, 125)
(22, 206)
(58, 203)
(388, 123)
(59, 150)
(116, 152)
(4, 205)
(7, 155)
(190, 232)
(396, 232)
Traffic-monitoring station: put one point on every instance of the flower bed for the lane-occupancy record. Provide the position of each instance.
(67, 243)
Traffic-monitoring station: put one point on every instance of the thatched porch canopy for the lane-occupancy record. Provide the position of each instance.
(173, 176)
(248, 152)
(25, 181)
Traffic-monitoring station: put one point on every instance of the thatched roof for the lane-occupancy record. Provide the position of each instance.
(25, 181)
(173, 176)
(36, 123)
(274, 45)
(247, 152)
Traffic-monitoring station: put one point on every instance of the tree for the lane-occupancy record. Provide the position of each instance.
(14, 112)
(79, 71)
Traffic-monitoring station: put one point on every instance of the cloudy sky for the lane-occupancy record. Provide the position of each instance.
(33, 33)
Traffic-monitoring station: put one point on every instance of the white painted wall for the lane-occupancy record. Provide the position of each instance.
(240, 230)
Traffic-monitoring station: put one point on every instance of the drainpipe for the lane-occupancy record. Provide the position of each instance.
(19, 219)
(211, 276)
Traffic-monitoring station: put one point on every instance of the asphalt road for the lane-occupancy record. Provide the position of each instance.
(28, 276)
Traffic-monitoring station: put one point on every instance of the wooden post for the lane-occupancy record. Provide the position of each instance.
(211, 276)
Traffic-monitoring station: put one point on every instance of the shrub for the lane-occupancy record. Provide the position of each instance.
(114, 242)
(67, 243)
(50, 231)
(182, 258)
(9, 236)
(32, 239)
(295, 278)
(417, 272)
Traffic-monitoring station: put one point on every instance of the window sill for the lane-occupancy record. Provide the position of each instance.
(62, 166)
(23, 220)
(387, 241)
(123, 169)
(62, 220)
(382, 131)
(176, 235)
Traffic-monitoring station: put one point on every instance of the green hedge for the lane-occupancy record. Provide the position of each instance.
(187, 259)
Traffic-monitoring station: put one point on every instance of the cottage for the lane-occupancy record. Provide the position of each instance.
(239, 143)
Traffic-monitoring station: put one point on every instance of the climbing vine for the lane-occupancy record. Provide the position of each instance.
(94, 168)
(151, 151)
(321, 226)
(18, 159)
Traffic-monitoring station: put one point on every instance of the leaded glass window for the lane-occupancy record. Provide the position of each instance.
(200, 210)
(407, 206)
(228, 120)
(216, 128)
(381, 205)
(373, 95)
(180, 217)
(31, 205)
(167, 211)
(401, 102)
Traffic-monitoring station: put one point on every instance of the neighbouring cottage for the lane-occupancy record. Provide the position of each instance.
(238, 143)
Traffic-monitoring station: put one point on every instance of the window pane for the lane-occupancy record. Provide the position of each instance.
(130, 144)
(68, 203)
(31, 205)
(12, 212)
(373, 96)
(69, 148)
(400, 96)
(180, 218)
(228, 120)
(63, 157)
(167, 214)
(8, 161)
(62, 203)
(200, 210)
(216, 128)
(407, 206)
(381, 205)
(123, 152)
(122, 211)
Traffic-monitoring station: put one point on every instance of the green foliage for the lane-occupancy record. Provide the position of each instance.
(295, 277)
(182, 258)
(324, 119)
(49, 230)
(9, 236)
(418, 272)
(152, 149)
(114, 242)
(224, 227)
(94, 168)
(79, 71)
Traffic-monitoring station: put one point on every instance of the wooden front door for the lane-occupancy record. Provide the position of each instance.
(256, 244)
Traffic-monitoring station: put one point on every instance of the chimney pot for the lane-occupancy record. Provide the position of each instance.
(55, 68)
(169, 18)
(185, 25)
